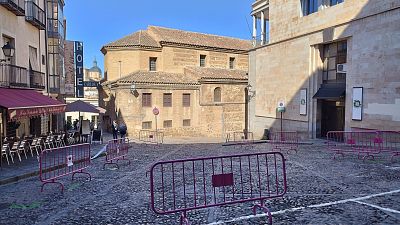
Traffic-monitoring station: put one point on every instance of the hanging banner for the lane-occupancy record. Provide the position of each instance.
(303, 102)
(79, 69)
(357, 103)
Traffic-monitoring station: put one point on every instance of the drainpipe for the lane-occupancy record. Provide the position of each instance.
(46, 49)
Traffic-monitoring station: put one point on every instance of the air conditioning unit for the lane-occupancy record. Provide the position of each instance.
(341, 68)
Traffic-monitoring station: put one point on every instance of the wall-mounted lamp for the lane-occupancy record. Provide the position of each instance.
(133, 88)
(8, 51)
(251, 93)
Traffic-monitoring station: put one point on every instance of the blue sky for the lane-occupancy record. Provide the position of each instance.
(97, 22)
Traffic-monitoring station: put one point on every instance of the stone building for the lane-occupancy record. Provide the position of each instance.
(26, 106)
(197, 81)
(334, 64)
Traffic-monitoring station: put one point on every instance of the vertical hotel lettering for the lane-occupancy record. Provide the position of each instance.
(79, 69)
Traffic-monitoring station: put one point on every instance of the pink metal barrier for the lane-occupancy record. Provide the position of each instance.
(182, 185)
(117, 149)
(58, 162)
(240, 138)
(151, 136)
(285, 140)
(365, 144)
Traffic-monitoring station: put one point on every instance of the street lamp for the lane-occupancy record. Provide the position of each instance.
(251, 92)
(8, 51)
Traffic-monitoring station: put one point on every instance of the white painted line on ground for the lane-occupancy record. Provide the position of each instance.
(378, 207)
(313, 206)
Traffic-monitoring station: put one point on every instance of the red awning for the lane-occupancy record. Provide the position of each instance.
(25, 103)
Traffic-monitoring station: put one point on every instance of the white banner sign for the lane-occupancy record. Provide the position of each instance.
(303, 102)
(357, 103)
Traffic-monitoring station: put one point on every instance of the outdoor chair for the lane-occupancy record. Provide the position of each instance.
(48, 143)
(22, 147)
(34, 146)
(71, 139)
(62, 140)
(14, 151)
(57, 140)
(4, 152)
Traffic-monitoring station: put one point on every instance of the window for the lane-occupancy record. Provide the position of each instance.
(167, 123)
(309, 6)
(186, 100)
(153, 64)
(335, 2)
(146, 100)
(217, 94)
(167, 100)
(186, 123)
(231, 63)
(202, 60)
(146, 125)
(334, 54)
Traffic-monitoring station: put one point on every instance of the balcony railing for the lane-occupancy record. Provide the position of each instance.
(36, 79)
(16, 76)
(15, 6)
(35, 15)
(13, 76)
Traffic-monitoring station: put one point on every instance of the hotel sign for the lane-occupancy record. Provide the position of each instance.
(79, 69)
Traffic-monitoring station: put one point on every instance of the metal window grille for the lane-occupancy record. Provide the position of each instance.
(202, 60)
(147, 125)
(146, 100)
(167, 100)
(186, 123)
(186, 100)
(153, 64)
(167, 123)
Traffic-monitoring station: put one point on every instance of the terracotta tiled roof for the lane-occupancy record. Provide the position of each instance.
(216, 73)
(167, 35)
(140, 38)
(146, 77)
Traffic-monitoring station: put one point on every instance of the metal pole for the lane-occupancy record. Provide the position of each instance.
(281, 121)
(156, 122)
(246, 112)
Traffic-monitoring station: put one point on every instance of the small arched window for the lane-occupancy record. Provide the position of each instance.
(217, 94)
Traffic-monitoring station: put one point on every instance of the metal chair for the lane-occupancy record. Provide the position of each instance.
(4, 152)
(34, 145)
(22, 147)
(48, 143)
(14, 150)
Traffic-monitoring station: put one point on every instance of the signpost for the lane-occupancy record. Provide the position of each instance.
(281, 108)
(156, 111)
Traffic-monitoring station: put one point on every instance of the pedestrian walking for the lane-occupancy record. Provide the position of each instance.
(114, 127)
(122, 130)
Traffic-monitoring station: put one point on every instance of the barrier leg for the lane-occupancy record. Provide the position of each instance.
(110, 163)
(265, 209)
(80, 171)
(184, 220)
(368, 156)
(52, 182)
(394, 155)
(337, 153)
(123, 158)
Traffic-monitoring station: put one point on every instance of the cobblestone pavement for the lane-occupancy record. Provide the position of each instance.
(320, 191)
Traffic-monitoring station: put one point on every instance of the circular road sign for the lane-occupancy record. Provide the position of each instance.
(156, 111)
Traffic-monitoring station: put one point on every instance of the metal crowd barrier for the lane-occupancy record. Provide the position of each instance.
(151, 136)
(58, 162)
(182, 185)
(116, 149)
(285, 140)
(240, 138)
(365, 144)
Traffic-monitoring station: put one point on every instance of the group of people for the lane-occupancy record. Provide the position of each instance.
(118, 128)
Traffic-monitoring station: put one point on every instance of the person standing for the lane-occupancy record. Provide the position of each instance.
(114, 127)
(122, 130)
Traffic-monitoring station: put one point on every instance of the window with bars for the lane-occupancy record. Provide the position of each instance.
(186, 100)
(309, 6)
(202, 60)
(217, 94)
(186, 123)
(231, 63)
(146, 125)
(167, 123)
(146, 100)
(153, 64)
(167, 100)
(334, 54)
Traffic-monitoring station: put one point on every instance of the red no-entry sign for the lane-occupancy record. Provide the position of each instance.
(156, 111)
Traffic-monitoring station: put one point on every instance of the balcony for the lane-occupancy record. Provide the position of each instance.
(13, 76)
(36, 79)
(15, 6)
(35, 15)
(19, 77)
